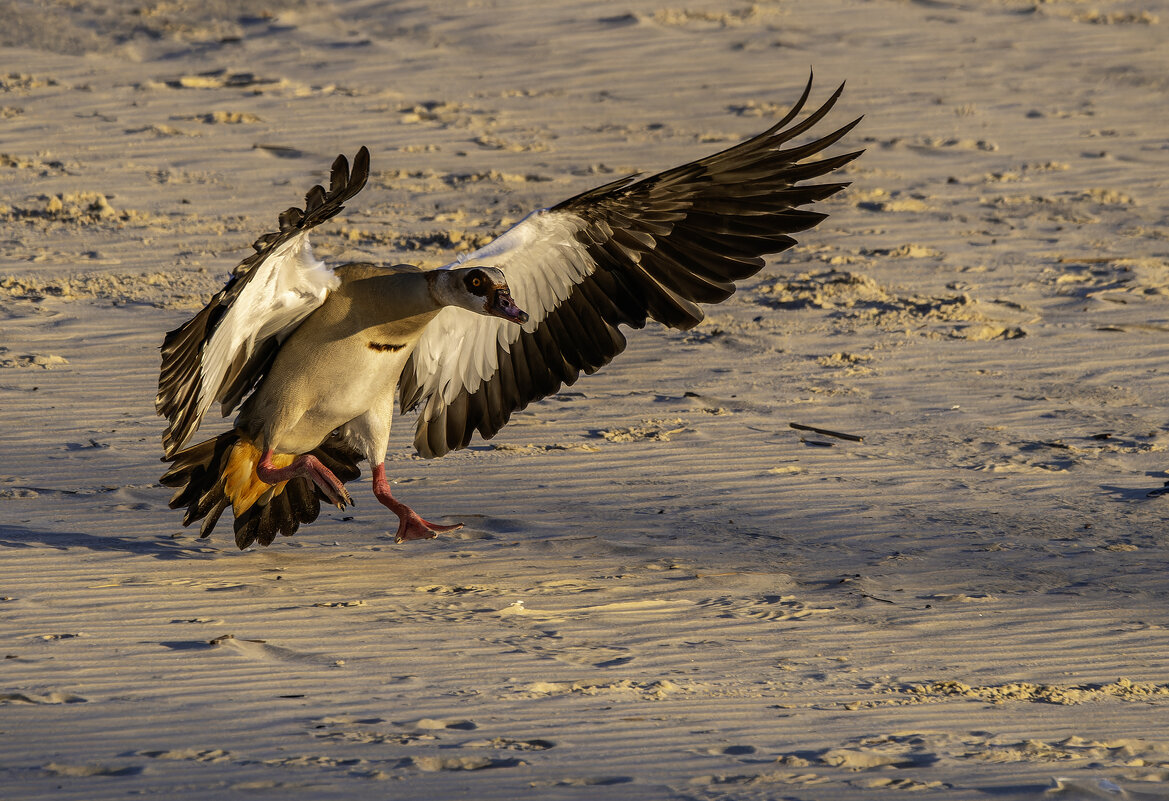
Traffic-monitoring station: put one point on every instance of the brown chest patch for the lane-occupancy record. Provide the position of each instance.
(382, 347)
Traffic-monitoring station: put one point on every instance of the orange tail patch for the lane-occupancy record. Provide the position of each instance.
(241, 484)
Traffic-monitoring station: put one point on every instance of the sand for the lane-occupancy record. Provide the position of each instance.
(662, 590)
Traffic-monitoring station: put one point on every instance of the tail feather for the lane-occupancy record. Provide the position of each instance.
(213, 498)
(194, 469)
(212, 518)
(221, 472)
(283, 514)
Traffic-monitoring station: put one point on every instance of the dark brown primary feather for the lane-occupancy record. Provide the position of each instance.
(180, 377)
(662, 245)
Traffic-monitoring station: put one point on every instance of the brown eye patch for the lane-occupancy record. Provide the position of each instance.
(477, 283)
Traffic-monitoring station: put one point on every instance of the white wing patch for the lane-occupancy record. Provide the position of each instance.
(284, 289)
(543, 261)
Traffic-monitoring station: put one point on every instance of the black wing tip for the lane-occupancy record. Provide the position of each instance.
(778, 131)
(345, 181)
(358, 172)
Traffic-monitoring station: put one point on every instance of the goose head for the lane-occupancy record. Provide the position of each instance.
(482, 290)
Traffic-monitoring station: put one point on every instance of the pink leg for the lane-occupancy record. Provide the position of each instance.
(305, 465)
(410, 525)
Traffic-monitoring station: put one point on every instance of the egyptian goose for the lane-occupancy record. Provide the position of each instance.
(313, 356)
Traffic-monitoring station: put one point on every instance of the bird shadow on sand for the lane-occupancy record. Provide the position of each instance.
(1133, 493)
(21, 537)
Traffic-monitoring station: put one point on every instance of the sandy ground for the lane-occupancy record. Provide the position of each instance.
(662, 591)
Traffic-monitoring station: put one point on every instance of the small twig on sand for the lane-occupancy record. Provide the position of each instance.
(826, 432)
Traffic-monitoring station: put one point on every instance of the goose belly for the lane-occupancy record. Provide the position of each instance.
(310, 397)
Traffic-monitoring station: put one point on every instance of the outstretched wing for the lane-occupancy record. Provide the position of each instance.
(619, 254)
(223, 351)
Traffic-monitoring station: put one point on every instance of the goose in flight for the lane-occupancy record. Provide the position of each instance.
(312, 356)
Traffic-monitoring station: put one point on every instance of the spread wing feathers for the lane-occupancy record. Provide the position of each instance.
(223, 351)
(623, 253)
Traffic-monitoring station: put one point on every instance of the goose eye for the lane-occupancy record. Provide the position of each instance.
(477, 283)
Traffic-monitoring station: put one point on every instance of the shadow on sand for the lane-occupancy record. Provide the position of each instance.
(21, 537)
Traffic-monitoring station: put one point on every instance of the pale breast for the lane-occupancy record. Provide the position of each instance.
(330, 371)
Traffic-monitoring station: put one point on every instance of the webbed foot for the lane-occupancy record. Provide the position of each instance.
(411, 526)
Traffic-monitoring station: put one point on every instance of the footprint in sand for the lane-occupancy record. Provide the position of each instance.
(743, 753)
(732, 750)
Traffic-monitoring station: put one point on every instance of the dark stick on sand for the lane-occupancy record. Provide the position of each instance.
(826, 432)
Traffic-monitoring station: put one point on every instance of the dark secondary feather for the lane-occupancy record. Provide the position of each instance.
(180, 378)
(662, 245)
